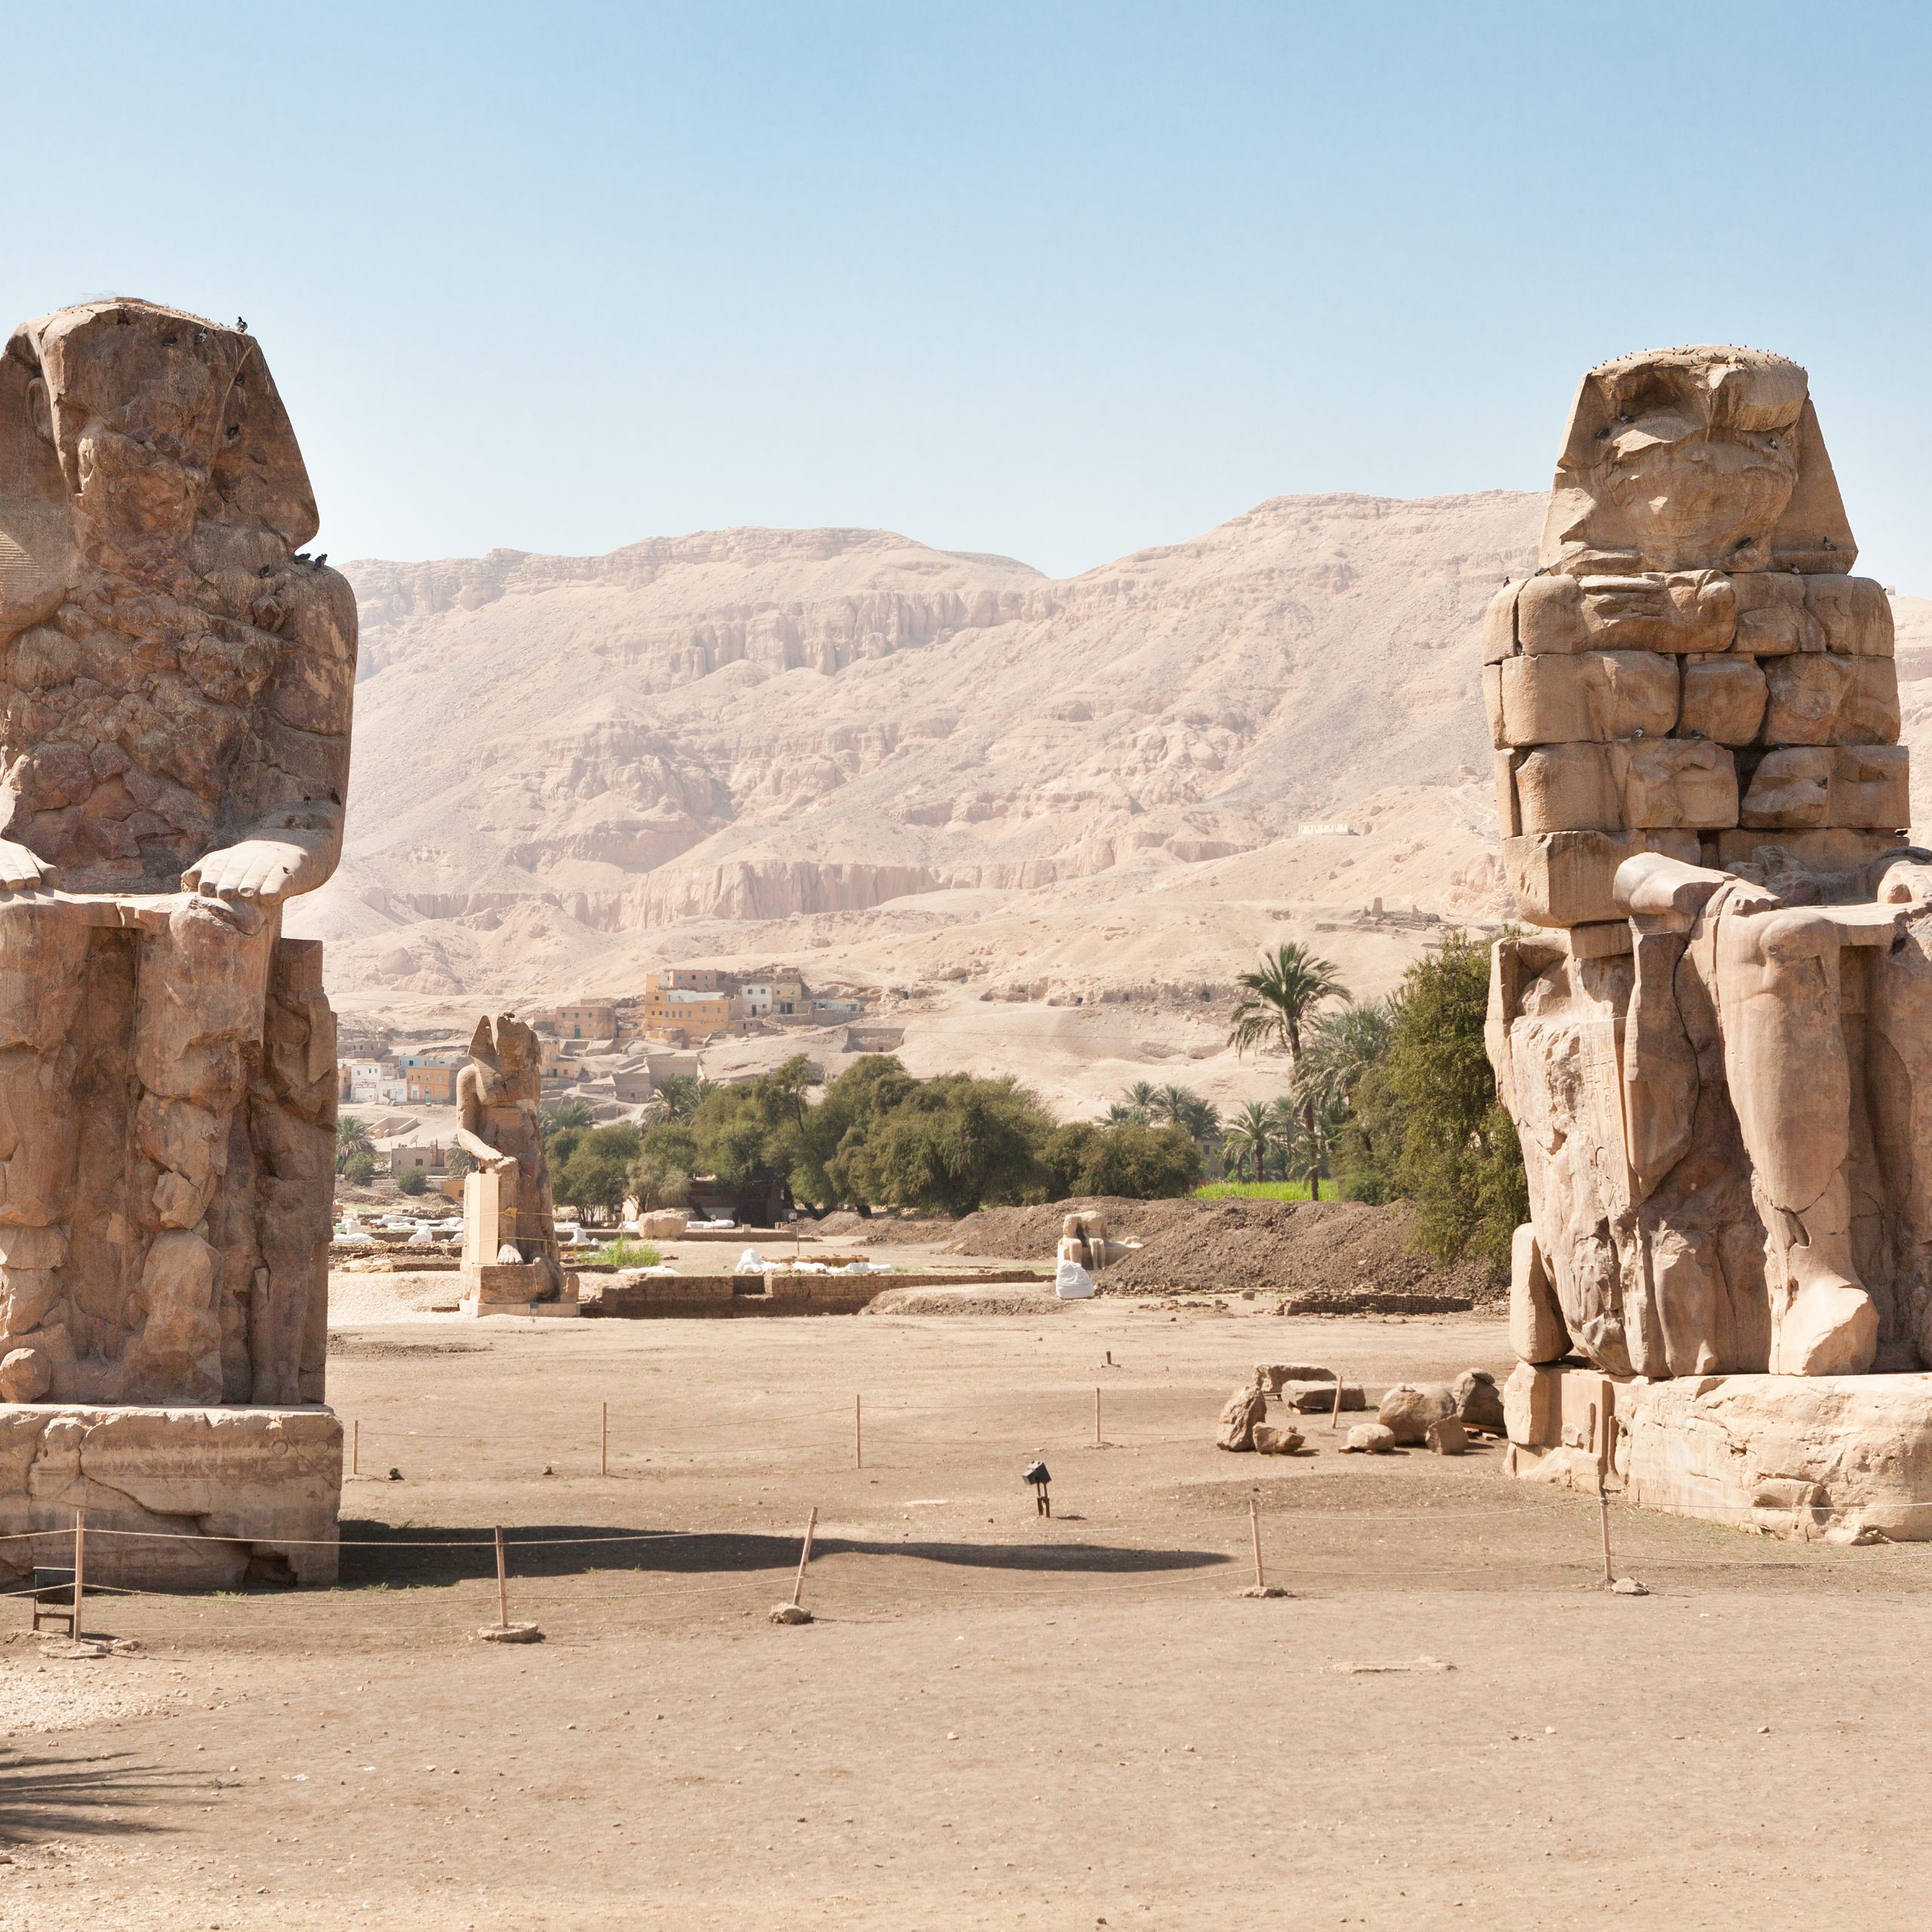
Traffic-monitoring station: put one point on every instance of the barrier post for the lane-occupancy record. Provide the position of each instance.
(604, 1451)
(804, 1556)
(1096, 1419)
(1254, 1524)
(355, 1447)
(858, 1433)
(503, 1587)
(1335, 1414)
(80, 1566)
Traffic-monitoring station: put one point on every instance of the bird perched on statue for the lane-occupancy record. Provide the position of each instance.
(322, 557)
(241, 326)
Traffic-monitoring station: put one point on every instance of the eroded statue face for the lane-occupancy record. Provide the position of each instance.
(1702, 460)
(1695, 459)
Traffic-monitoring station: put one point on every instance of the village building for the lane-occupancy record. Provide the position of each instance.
(594, 1019)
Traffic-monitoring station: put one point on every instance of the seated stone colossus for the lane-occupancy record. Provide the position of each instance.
(176, 683)
(1716, 1040)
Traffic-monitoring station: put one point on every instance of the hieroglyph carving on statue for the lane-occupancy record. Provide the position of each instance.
(176, 682)
(1719, 1054)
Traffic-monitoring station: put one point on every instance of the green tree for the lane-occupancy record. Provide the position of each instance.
(681, 1096)
(352, 1137)
(1459, 1160)
(596, 1174)
(1280, 1001)
(415, 1181)
(460, 1161)
(359, 1167)
(1251, 1134)
(952, 1144)
(1130, 1159)
(667, 1158)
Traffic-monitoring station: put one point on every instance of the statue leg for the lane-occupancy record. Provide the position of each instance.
(43, 963)
(1790, 1081)
(203, 991)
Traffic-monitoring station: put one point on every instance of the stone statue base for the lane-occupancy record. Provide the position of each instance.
(266, 1482)
(1830, 1458)
(527, 1287)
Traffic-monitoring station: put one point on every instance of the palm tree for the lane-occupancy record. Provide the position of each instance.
(1121, 1114)
(1171, 1104)
(682, 1093)
(1342, 1047)
(1200, 1119)
(1141, 1097)
(1281, 999)
(1253, 1132)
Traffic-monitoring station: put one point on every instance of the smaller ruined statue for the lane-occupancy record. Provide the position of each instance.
(509, 1235)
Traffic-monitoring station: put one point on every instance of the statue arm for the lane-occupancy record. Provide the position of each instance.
(468, 1118)
(295, 841)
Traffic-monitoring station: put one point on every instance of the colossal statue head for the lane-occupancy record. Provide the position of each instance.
(134, 440)
(1695, 459)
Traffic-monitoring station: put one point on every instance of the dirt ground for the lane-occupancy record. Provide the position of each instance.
(995, 1721)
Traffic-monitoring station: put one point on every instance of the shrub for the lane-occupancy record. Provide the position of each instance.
(414, 1182)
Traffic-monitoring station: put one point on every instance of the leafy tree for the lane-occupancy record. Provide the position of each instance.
(1281, 999)
(952, 1144)
(460, 1161)
(359, 1167)
(1130, 1159)
(415, 1181)
(597, 1171)
(1459, 1160)
(667, 1158)
(1141, 1097)
(1121, 1114)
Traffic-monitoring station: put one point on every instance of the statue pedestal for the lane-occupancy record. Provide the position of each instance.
(228, 1496)
(498, 1288)
(1823, 1458)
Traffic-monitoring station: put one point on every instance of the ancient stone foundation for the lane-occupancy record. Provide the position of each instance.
(1830, 1458)
(223, 1496)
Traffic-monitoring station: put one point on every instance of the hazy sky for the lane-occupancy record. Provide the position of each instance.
(1057, 280)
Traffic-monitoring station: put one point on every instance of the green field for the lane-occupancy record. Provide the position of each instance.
(1259, 1190)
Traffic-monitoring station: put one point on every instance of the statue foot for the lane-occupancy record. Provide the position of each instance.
(1831, 1328)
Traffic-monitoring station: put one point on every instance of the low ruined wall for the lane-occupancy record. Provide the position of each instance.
(642, 1296)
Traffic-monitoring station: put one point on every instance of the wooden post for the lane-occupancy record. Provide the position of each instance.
(805, 1555)
(1096, 1419)
(1605, 1418)
(1335, 1414)
(503, 1587)
(858, 1433)
(355, 1447)
(80, 1566)
(1254, 1523)
(603, 1451)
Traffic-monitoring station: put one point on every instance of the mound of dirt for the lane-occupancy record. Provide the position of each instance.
(1330, 1257)
(875, 1229)
(1028, 1302)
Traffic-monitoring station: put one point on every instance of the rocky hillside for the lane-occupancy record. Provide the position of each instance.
(935, 770)
(760, 723)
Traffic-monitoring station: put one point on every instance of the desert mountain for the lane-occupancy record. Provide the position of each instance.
(935, 771)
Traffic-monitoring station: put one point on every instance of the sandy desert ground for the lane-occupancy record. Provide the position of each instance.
(994, 1721)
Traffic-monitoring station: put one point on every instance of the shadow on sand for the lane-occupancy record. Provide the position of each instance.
(383, 1553)
(67, 1797)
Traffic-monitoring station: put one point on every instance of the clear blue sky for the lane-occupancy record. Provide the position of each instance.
(1055, 279)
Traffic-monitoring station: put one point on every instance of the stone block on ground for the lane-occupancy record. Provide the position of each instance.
(1276, 1439)
(1243, 1409)
(1407, 1409)
(1370, 1438)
